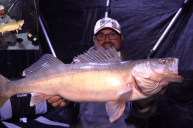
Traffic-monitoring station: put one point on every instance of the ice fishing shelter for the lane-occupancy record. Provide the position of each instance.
(13, 61)
(69, 26)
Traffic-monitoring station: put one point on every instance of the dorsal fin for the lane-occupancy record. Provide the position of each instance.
(12, 21)
(99, 55)
(45, 61)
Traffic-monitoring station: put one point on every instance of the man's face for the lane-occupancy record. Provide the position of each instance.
(108, 42)
(2, 13)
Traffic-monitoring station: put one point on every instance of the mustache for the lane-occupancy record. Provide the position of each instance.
(107, 43)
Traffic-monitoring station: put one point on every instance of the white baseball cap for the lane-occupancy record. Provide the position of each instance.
(107, 23)
(1, 7)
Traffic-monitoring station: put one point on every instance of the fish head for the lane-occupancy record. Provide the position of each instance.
(167, 66)
(20, 23)
(158, 69)
(151, 75)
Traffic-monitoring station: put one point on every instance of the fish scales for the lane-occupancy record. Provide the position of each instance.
(91, 80)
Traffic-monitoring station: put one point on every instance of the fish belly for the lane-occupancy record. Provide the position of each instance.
(95, 86)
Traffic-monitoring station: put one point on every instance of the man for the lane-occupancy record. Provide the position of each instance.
(3, 17)
(107, 33)
(7, 38)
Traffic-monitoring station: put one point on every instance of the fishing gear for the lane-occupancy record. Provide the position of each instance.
(184, 9)
(33, 37)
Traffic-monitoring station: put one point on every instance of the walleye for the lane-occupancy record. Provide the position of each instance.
(114, 82)
(11, 25)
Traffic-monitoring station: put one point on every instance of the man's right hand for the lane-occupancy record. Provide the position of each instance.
(57, 101)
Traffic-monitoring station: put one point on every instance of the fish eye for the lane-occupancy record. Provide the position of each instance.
(163, 61)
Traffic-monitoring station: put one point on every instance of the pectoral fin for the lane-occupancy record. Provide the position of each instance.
(115, 109)
(126, 90)
(37, 98)
(124, 94)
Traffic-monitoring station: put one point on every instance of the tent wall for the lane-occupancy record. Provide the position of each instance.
(70, 24)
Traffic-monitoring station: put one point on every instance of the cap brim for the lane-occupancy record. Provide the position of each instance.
(107, 27)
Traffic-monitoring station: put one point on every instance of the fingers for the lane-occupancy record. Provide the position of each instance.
(54, 99)
(57, 101)
(163, 90)
(163, 84)
(164, 87)
(64, 103)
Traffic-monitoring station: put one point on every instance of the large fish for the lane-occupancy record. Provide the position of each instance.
(114, 82)
(11, 26)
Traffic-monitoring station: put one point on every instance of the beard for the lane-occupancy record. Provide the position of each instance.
(106, 45)
(2, 15)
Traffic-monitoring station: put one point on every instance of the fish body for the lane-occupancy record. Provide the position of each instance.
(77, 82)
(11, 26)
(111, 82)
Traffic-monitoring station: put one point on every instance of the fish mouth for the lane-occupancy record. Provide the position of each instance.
(174, 66)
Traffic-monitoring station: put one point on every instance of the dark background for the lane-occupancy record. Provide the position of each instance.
(70, 24)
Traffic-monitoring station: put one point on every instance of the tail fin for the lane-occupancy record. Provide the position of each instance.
(3, 98)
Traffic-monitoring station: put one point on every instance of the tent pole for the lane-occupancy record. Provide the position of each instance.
(107, 9)
(167, 29)
(46, 35)
(11, 6)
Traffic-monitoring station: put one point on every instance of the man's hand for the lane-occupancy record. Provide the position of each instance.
(143, 103)
(57, 101)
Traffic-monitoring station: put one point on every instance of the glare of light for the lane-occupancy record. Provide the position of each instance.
(86, 67)
(114, 81)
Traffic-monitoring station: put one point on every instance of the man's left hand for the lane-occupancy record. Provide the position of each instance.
(143, 103)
